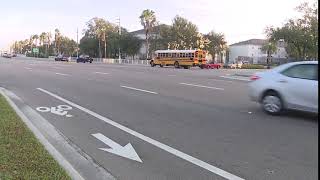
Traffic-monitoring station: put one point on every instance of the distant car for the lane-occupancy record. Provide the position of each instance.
(233, 65)
(62, 58)
(212, 66)
(84, 59)
(288, 86)
(6, 55)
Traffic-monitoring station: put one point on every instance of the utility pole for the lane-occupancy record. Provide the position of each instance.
(77, 44)
(118, 21)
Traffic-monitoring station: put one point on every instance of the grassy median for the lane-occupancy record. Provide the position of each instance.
(22, 156)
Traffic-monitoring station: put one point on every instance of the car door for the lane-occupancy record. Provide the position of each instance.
(300, 85)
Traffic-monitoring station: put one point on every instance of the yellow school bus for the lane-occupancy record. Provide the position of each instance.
(179, 58)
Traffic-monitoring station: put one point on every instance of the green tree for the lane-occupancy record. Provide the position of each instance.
(42, 38)
(100, 29)
(216, 43)
(184, 34)
(148, 21)
(270, 48)
(130, 44)
(57, 41)
(300, 35)
(89, 46)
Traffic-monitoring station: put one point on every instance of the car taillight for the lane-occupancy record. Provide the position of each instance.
(254, 77)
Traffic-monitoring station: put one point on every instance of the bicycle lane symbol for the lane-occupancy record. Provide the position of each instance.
(61, 110)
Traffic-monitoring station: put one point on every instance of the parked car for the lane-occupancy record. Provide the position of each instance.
(212, 66)
(62, 58)
(233, 65)
(84, 59)
(6, 55)
(288, 86)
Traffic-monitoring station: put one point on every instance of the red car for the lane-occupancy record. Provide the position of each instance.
(212, 66)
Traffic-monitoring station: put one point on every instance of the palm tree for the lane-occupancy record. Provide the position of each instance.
(57, 40)
(42, 38)
(270, 47)
(36, 37)
(148, 21)
(48, 41)
(216, 43)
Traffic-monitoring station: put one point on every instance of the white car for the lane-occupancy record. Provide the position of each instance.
(289, 86)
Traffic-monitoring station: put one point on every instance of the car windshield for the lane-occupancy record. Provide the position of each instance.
(159, 90)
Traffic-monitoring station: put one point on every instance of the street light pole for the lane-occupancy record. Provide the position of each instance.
(118, 21)
(77, 44)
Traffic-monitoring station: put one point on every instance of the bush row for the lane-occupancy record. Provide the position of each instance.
(252, 66)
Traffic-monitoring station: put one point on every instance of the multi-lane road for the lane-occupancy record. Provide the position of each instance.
(139, 122)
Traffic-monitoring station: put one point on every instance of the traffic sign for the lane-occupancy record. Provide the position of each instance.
(35, 50)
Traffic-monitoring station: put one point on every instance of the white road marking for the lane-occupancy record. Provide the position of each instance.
(198, 85)
(126, 151)
(62, 74)
(28, 68)
(100, 73)
(221, 80)
(172, 75)
(142, 90)
(229, 77)
(57, 67)
(156, 143)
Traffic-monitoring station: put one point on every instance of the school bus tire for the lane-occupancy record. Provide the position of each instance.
(152, 64)
(176, 64)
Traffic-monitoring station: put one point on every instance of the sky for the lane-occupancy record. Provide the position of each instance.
(238, 20)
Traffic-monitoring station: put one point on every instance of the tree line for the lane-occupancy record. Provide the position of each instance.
(104, 39)
(299, 34)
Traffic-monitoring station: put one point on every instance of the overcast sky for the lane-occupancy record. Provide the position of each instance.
(238, 19)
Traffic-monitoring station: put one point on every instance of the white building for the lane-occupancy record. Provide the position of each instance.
(250, 50)
(142, 36)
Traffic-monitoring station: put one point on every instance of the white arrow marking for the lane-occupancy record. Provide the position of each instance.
(127, 151)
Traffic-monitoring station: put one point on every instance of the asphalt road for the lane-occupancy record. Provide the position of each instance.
(183, 124)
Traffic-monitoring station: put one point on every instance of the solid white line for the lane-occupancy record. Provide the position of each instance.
(48, 146)
(197, 85)
(62, 74)
(142, 90)
(100, 73)
(221, 80)
(241, 79)
(28, 68)
(156, 143)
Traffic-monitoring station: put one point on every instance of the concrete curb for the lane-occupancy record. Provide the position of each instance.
(42, 129)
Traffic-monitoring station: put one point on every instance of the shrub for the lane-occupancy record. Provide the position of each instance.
(252, 66)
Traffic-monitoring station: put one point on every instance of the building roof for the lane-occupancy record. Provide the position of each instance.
(140, 31)
(251, 42)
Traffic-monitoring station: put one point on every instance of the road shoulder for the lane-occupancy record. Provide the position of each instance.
(75, 162)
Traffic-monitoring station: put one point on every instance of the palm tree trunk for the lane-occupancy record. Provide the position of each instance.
(105, 48)
(147, 46)
(99, 49)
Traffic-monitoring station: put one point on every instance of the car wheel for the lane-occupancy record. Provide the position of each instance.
(272, 103)
(152, 64)
(161, 65)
